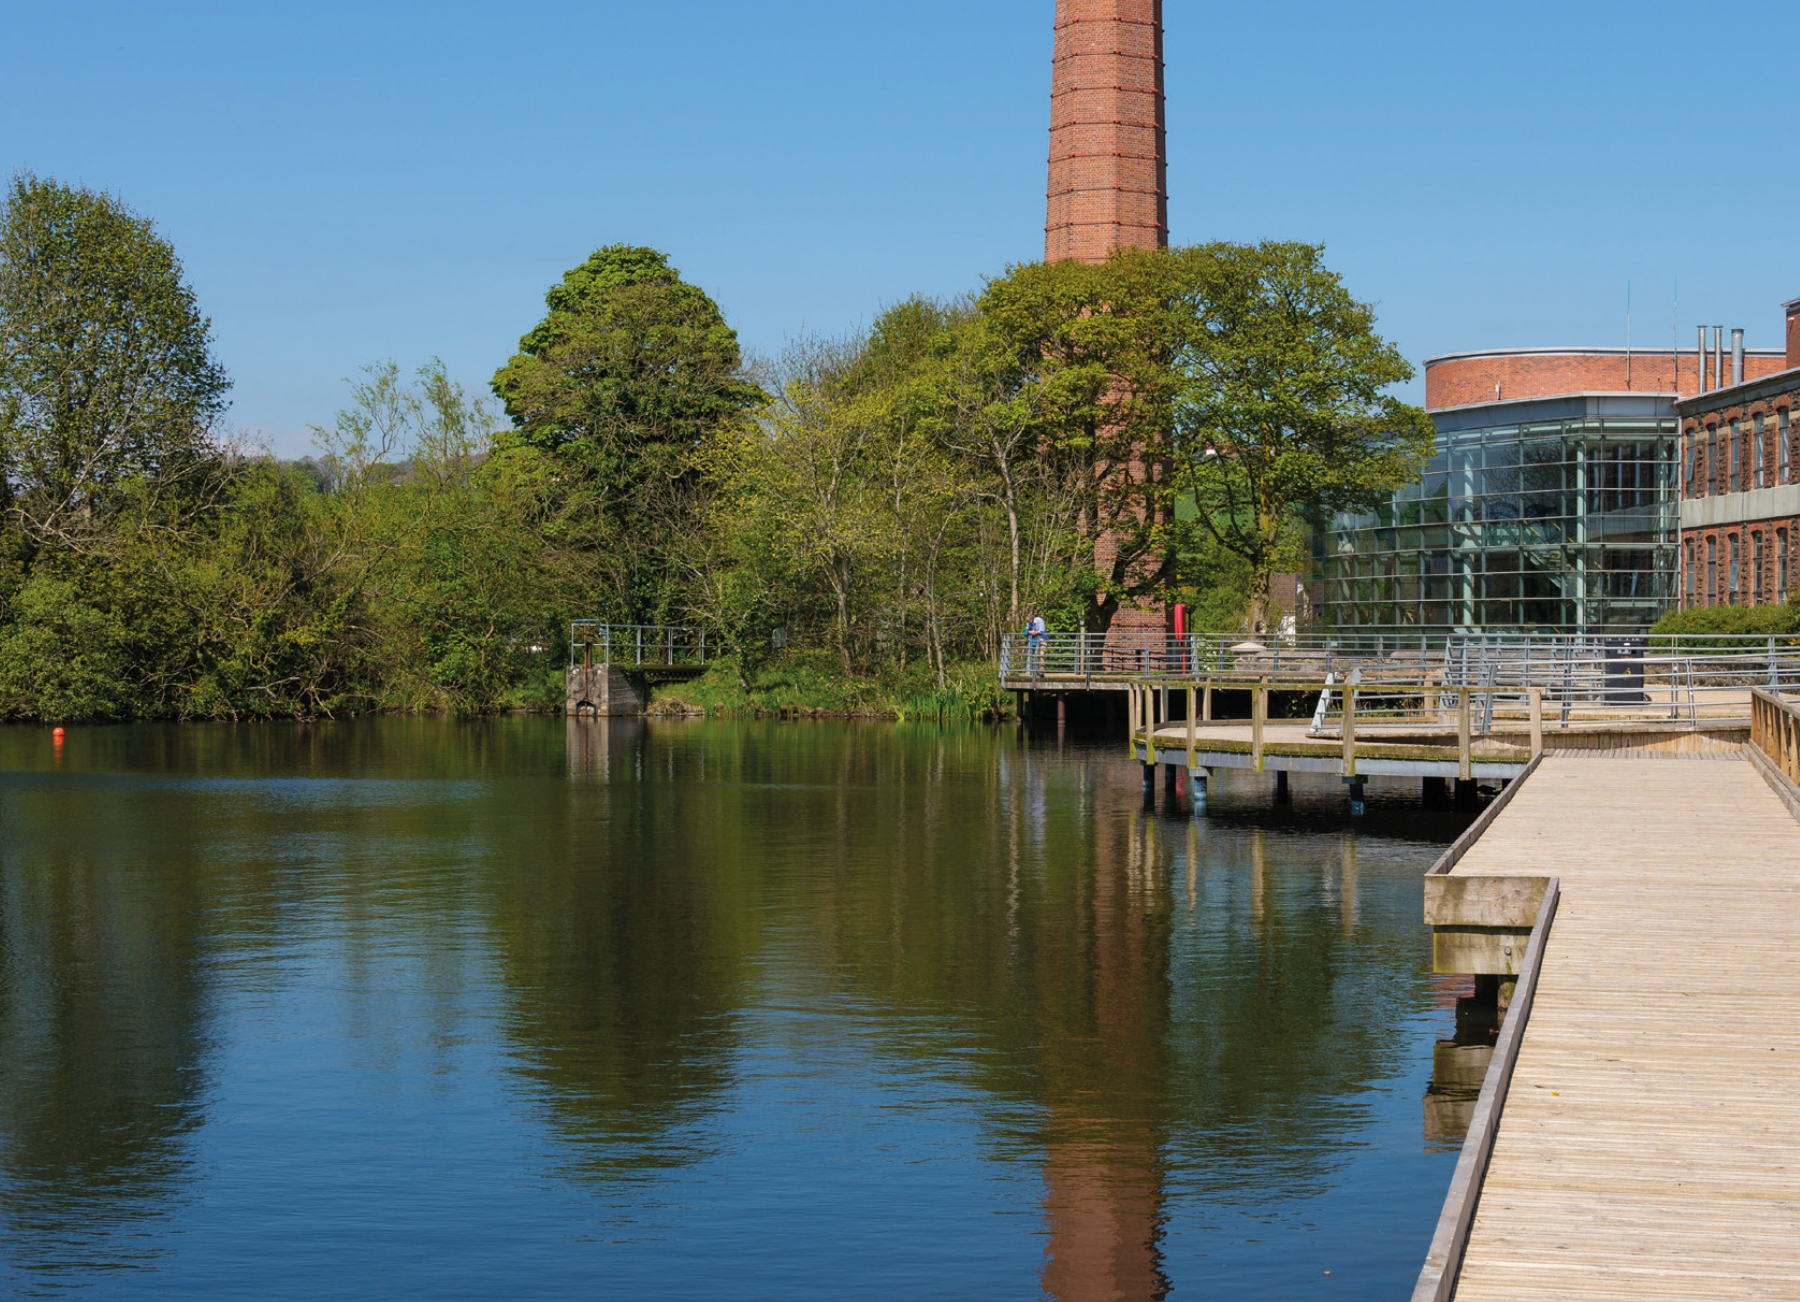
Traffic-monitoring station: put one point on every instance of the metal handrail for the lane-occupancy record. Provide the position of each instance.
(594, 642)
(1688, 682)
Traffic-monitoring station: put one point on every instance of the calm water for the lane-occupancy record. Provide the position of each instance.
(403, 1008)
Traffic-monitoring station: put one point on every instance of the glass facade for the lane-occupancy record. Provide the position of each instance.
(1558, 515)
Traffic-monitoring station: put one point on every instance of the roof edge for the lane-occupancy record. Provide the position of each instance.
(1747, 391)
(1580, 351)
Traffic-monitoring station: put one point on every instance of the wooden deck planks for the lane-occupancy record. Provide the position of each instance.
(1650, 1144)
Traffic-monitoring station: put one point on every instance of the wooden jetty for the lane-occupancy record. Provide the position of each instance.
(1638, 1131)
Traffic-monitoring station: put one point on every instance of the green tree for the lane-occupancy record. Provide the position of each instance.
(1279, 402)
(629, 375)
(1093, 347)
(106, 371)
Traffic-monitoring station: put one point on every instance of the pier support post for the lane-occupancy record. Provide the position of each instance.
(1169, 771)
(1432, 791)
(1281, 786)
(1197, 789)
(1465, 793)
(1356, 796)
(1149, 780)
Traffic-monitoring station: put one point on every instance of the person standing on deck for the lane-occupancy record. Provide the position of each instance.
(1037, 637)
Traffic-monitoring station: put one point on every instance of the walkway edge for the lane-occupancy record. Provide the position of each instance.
(1460, 846)
(1780, 783)
(1443, 1263)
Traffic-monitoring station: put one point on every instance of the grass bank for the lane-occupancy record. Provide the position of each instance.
(812, 686)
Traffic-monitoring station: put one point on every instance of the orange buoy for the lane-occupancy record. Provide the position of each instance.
(58, 734)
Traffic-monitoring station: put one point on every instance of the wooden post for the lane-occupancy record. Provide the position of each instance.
(1259, 706)
(1537, 720)
(1131, 713)
(1463, 770)
(1206, 704)
(1192, 701)
(1349, 769)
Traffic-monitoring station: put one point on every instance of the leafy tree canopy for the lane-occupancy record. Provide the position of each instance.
(106, 370)
(1092, 345)
(1280, 406)
(629, 354)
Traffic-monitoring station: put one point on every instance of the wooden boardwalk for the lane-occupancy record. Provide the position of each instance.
(1649, 1146)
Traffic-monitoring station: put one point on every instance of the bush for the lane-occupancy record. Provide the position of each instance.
(60, 658)
(1759, 620)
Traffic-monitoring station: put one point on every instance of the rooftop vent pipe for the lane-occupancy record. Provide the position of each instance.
(1737, 355)
(1718, 357)
(1700, 360)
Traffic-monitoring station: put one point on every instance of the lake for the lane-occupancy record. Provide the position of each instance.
(418, 1008)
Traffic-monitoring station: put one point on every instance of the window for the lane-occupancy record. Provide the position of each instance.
(1712, 571)
(1737, 466)
(1783, 468)
(1756, 460)
(1731, 593)
(1687, 463)
(1712, 460)
(1756, 568)
(1781, 565)
(1687, 566)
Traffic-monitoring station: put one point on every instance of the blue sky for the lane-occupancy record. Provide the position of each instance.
(351, 183)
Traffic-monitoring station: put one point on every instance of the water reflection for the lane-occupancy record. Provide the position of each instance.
(102, 1031)
(1459, 1064)
(623, 937)
(422, 991)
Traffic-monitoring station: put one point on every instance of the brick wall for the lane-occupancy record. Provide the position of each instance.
(1705, 459)
(1108, 179)
(1711, 432)
(1500, 377)
(1713, 583)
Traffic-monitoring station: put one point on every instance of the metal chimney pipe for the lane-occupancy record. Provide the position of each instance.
(1700, 360)
(1737, 355)
(1718, 357)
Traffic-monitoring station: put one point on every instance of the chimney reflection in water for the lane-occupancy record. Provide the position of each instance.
(1103, 1175)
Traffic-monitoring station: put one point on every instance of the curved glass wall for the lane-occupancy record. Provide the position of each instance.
(1557, 525)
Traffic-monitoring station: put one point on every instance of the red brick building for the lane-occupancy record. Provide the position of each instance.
(1740, 499)
(1513, 374)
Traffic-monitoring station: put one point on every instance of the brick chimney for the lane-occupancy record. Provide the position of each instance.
(1793, 333)
(1108, 169)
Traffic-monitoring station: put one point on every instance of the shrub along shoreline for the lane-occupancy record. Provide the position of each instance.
(806, 687)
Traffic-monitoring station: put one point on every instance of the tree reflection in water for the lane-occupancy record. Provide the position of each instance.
(102, 1028)
(1163, 1022)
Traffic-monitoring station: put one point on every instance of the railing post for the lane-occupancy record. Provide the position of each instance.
(1259, 709)
(1349, 767)
(1537, 720)
(1464, 770)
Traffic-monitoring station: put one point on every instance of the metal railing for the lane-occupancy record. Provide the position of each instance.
(640, 646)
(1458, 715)
(1678, 677)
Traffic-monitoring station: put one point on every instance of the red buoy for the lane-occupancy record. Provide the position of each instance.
(58, 734)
